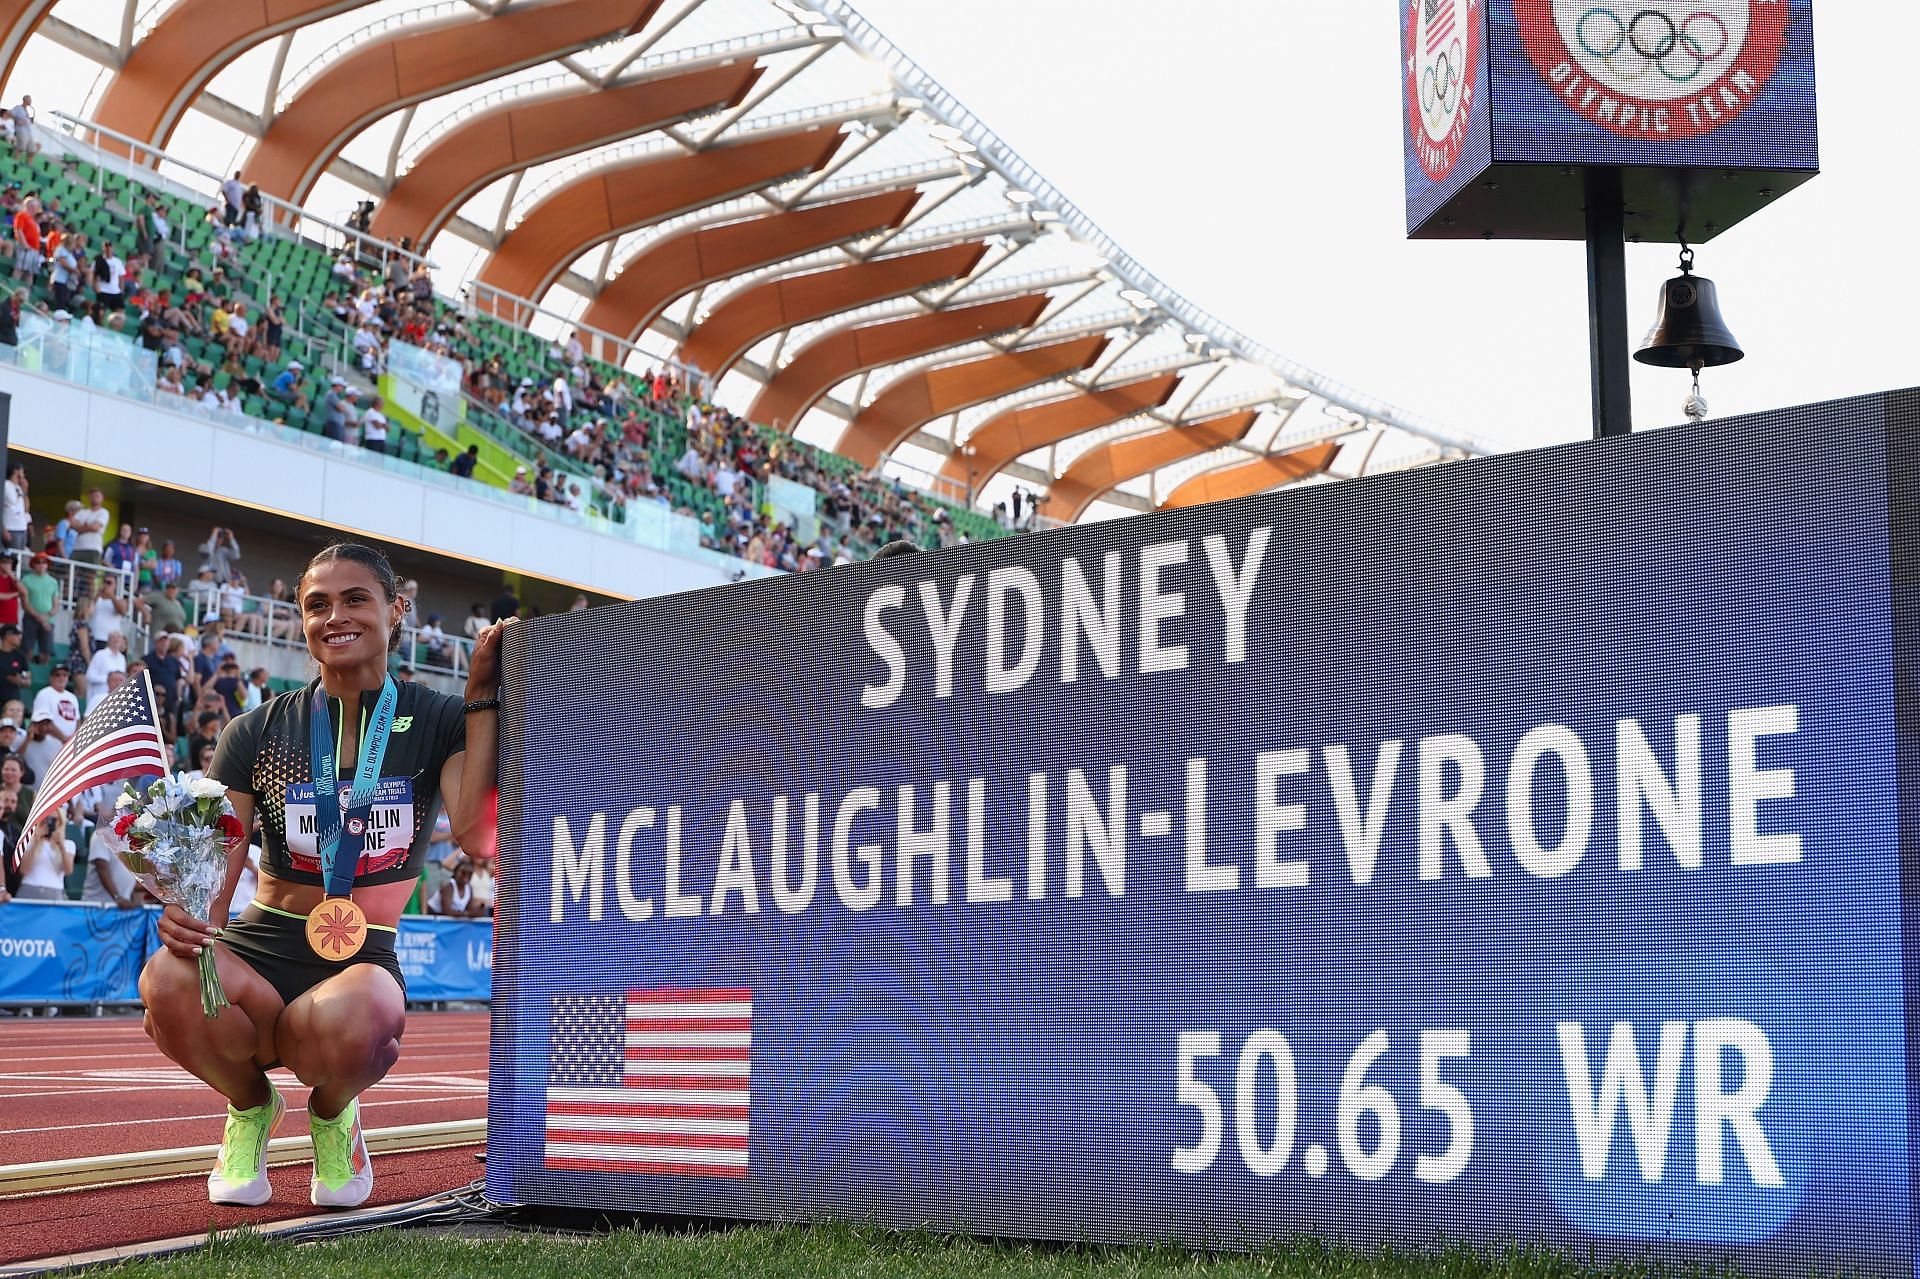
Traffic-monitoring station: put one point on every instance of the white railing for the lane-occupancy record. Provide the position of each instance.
(276, 623)
(286, 216)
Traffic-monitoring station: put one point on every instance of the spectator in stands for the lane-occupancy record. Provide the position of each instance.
(109, 659)
(254, 693)
(119, 553)
(10, 307)
(235, 611)
(286, 386)
(434, 646)
(166, 566)
(13, 780)
(10, 594)
(253, 213)
(169, 677)
(57, 706)
(65, 531)
(90, 524)
(233, 193)
(16, 521)
(335, 406)
(208, 722)
(464, 464)
(25, 140)
(10, 744)
(65, 275)
(455, 897)
(477, 621)
(109, 614)
(40, 595)
(110, 278)
(109, 882)
(283, 621)
(206, 663)
(222, 553)
(145, 561)
(43, 744)
(506, 604)
(273, 329)
(239, 338)
(15, 677)
(520, 484)
(228, 683)
(45, 862)
(27, 241)
(373, 427)
(166, 612)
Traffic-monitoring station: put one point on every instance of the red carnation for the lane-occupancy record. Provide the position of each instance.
(230, 827)
(124, 823)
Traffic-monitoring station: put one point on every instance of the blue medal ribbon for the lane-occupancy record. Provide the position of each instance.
(341, 836)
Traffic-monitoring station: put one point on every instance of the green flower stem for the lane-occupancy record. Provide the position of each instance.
(212, 996)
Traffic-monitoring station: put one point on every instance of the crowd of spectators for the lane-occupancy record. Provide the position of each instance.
(190, 619)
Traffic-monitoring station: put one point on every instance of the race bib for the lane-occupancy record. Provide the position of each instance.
(389, 825)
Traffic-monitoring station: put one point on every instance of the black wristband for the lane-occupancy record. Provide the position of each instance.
(483, 704)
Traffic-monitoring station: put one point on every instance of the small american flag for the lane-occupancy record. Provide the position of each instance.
(121, 739)
(652, 1081)
(1440, 19)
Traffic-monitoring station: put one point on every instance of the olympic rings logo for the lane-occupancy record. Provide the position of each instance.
(1440, 86)
(1652, 41)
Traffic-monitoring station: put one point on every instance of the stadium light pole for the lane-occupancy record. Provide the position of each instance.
(1606, 225)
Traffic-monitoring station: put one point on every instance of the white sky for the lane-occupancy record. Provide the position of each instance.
(1248, 152)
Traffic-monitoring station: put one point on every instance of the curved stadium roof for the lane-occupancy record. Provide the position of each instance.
(767, 189)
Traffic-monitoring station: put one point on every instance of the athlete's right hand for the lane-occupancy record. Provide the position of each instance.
(182, 934)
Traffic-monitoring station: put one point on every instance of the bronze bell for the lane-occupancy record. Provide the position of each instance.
(1689, 334)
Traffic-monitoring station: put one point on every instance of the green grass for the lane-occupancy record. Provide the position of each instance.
(836, 1251)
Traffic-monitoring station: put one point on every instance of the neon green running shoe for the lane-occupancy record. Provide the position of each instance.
(239, 1175)
(342, 1173)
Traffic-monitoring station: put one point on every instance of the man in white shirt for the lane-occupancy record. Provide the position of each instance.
(16, 522)
(109, 659)
(373, 427)
(89, 525)
(109, 278)
(43, 746)
(57, 704)
(109, 882)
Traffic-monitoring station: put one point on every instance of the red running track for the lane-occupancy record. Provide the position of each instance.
(77, 1087)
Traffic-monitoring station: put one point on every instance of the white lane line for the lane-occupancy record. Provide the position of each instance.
(186, 1119)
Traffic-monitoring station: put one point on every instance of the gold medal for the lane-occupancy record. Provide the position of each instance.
(337, 928)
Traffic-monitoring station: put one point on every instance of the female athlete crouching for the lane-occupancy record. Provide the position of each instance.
(328, 1002)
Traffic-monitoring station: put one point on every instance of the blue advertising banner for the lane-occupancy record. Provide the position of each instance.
(446, 959)
(69, 953)
(1509, 849)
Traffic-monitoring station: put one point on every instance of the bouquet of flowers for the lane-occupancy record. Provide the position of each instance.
(175, 836)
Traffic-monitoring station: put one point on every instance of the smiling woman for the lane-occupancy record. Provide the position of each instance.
(342, 800)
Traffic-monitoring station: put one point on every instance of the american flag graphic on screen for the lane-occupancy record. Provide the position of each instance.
(652, 1081)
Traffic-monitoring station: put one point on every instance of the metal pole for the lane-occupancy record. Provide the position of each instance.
(1607, 303)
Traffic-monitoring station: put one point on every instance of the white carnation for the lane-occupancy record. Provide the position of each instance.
(206, 788)
(126, 801)
(145, 821)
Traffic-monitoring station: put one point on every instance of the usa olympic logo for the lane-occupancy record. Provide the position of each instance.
(1443, 53)
(1655, 70)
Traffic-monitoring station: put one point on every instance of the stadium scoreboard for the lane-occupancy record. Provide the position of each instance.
(1510, 849)
(1707, 108)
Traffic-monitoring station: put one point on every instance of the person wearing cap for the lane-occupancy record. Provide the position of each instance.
(166, 612)
(15, 677)
(335, 406)
(39, 596)
(57, 704)
(286, 386)
(43, 744)
(520, 483)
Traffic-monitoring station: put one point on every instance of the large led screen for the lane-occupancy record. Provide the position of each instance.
(1694, 83)
(1509, 849)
